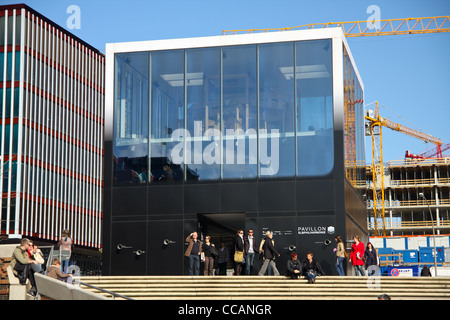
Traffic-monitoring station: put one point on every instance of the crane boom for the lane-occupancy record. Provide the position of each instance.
(411, 132)
(370, 27)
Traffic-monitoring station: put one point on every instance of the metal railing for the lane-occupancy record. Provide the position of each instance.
(427, 161)
(411, 224)
(114, 294)
(409, 203)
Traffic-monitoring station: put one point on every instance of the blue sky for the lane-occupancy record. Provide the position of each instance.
(408, 74)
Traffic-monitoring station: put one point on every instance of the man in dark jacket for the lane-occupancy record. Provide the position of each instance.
(193, 252)
(250, 249)
(269, 255)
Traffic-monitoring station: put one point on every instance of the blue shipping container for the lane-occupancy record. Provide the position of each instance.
(426, 254)
(409, 256)
(382, 251)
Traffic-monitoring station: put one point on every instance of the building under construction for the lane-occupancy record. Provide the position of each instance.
(413, 187)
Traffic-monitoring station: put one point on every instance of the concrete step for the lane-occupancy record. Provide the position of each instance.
(273, 288)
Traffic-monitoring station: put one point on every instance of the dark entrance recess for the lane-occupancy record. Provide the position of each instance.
(221, 227)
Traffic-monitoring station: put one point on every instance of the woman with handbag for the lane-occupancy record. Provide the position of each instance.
(357, 256)
(238, 252)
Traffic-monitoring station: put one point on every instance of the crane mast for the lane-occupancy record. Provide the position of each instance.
(375, 123)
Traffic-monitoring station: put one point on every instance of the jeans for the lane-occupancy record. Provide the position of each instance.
(64, 266)
(360, 269)
(311, 276)
(339, 265)
(266, 264)
(249, 259)
(194, 265)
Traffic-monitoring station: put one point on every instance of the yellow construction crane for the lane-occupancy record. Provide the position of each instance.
(371, 27)
(374, 126)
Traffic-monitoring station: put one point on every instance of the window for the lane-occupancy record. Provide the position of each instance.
(276, 110)
(131, 118)
(314, 103)
(239, 112)
(167, 114)
(203, 119)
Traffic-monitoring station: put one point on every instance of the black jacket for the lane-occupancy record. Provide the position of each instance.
(371, 257)
(238, 243)
(269, 250)
(247, 245)
(293, 265)
(313, 265)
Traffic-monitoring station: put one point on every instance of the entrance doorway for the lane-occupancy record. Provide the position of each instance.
(221, 227)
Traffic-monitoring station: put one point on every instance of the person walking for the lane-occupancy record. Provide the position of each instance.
(340, 255)
(269, 255)
(193, 252)
(371, 259)
(357, 256)
(250, 249)
(210, 253)
(311, 268)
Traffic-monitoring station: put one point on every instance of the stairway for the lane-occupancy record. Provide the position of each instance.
(270, 287)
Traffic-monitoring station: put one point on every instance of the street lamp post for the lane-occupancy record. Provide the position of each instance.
(434, 235)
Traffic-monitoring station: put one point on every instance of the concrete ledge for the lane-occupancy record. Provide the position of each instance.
(17, 291)
(59, 290)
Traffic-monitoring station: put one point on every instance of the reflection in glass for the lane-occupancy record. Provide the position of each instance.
(131, 118)
(203, 113)
(167, 114)
(313, 74)
(276, 109)
(239, 112)
(354, 124)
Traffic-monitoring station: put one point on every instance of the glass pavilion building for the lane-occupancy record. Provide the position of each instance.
(215, 134)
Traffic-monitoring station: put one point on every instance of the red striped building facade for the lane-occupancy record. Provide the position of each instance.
(51, 130)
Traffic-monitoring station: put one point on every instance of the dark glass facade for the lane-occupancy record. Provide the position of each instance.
(221, 138)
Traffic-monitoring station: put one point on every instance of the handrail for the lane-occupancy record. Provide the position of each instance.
(114, 294)
(412, 224)
(426, 161)
(410, 203)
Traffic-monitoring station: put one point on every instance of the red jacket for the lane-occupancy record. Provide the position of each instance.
(353, 254)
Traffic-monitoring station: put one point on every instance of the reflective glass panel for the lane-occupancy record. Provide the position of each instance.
(314, 102)
(203, 114)
(131, 118)
(239, 112)
(167, 116)
(276, 110)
